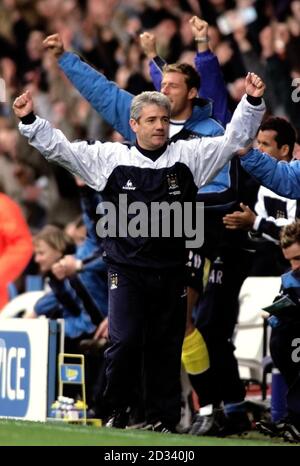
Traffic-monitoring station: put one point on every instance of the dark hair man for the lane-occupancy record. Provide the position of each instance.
(282, 178)
(276, 137)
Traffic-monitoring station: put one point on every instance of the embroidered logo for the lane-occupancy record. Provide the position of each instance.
(280, 214)
(129, 186)
(173, 184)
(113, 281)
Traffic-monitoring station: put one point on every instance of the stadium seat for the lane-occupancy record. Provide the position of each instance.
(251, 337)
(18, 303)
(12, 291)
(33, 283)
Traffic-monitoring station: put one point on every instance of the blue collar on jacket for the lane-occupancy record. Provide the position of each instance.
(201, 121)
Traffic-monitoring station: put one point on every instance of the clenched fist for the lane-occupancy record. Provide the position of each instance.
(55, 44)
(254, 85)
(148, 44)
(23, 105)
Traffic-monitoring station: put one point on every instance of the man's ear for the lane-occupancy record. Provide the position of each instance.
(192, 93)
(133, 125)
(284, 151)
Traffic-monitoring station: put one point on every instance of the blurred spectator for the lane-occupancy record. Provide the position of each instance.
(15, 244)
(51, 244)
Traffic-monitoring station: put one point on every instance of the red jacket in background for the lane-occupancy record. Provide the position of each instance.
(15, 244)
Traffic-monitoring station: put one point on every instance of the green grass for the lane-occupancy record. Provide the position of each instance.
(21, 433)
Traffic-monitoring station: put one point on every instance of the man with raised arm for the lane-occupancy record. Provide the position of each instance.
(147, 305)
(212, 85)
(113, 103)
(198, 105)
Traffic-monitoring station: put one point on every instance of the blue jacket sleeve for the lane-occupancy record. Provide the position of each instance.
(281, 177)
(95, 262)
(66, 295)
(48, 305)
(89, 200)
(156, 65)
(213, 85)
(104, 96)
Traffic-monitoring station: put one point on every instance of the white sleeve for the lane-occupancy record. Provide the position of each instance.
(268, 226)
(260, 205)
(291, 215)
(291, 207)
(90, 162)
(207, 156)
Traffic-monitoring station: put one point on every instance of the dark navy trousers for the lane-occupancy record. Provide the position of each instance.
(147, 315)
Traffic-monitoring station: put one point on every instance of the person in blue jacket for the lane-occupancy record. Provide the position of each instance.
(70, 297)
(276, 137)
(206, 63)
(284, 341)
(191, 116)
(87, 262)
(113, 103)
(85, 269)
(212, 90)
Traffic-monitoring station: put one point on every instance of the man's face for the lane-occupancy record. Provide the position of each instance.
(292, 254)
(173, 85)
(152, 127)
(266, 143)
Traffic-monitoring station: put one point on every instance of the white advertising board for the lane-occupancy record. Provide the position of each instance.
(24, 368)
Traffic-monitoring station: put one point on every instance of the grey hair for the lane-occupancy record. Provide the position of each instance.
(148, 98)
